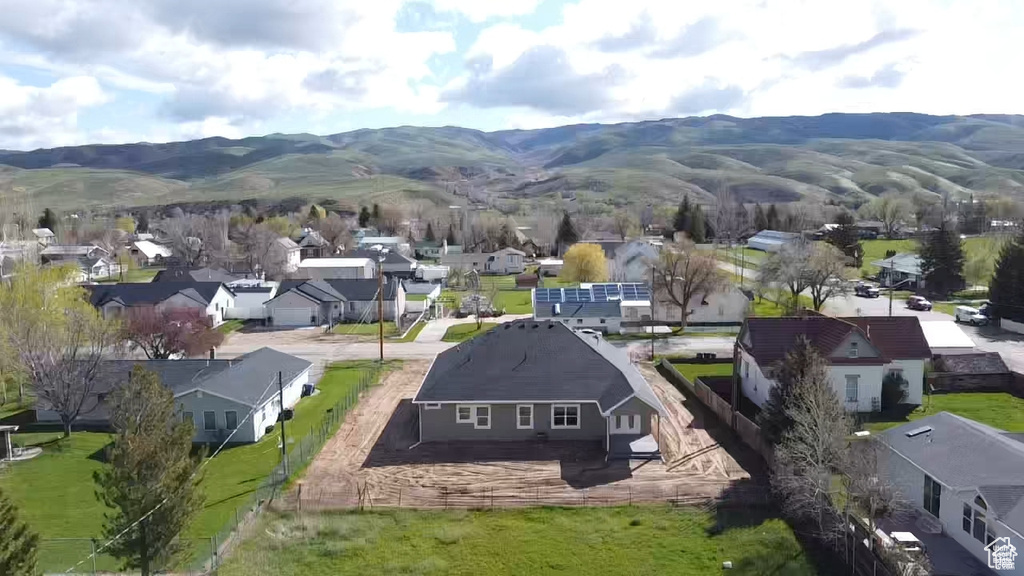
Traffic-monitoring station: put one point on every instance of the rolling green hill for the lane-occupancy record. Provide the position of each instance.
(846, 158)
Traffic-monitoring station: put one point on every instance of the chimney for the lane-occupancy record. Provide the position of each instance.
(213, 353)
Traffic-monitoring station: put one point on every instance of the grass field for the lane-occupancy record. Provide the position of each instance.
(692, 371)
(415, 297)
(997, 409)
(56, 493)
(514, 301)
(133, 275)
(637, 540)
(231, 326)
(975, 247)
(412, 333)
(366, 329)
(463, 332)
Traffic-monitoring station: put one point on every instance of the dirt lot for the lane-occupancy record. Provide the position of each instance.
(370, 462)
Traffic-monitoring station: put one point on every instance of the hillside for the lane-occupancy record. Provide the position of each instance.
(842, 157)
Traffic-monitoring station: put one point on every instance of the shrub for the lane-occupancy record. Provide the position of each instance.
(894, 390)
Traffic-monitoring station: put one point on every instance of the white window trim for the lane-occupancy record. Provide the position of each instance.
(579, 417)
(476, 417)
(518, 423)
(458, 410)
(433, 406)
(205, 427)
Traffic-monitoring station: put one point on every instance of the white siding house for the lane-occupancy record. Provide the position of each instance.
(214, 298)
(728, 307)
(504, 261)
(336, 268)
(861, 352)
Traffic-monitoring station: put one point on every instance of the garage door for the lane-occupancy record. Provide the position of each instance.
(293, 316)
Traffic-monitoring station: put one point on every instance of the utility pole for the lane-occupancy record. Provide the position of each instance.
(380, 299)
(652, 313)
(284, 442)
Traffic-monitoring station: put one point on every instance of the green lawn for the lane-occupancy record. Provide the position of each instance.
(741, 256)
(979, 246)
(231, 326)
(133, 275)
(597, 541)
(412, 333)
(692, 371)
(514, 301)
(366, 329)
(997, 409)
(766, 307)
(463, 332)
(415, 297)
(56, 493)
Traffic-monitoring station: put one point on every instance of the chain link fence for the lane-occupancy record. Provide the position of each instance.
(57, 555)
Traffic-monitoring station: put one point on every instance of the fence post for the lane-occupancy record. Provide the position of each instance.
(213, 551)
(93, 542)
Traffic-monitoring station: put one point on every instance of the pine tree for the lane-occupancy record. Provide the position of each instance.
(846, 238)
(567, 235)
(429, 235)
(683, 217)
(364, 217)
(451, 235)
(1006, 290)
(774, 223)
(18, 544)
(149, 470)
(942, 262)
(760, 220)
(48, 220)
(801, 362)
(142, 223)
(696, 231)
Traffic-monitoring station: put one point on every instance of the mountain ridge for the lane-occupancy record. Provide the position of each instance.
(846, 158)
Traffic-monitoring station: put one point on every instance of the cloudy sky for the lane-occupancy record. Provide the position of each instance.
(79, 71)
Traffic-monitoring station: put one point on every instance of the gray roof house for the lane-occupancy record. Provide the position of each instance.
(529, 380)
(394, 262)
(900, 268)
(213, 297)
(967, 475)
(318, 302)
(195, 275)
(220, 396)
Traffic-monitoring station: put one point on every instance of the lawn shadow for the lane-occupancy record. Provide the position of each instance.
(101, 454)
(901, 413)
(581, 463)
(24, 417)
(227, 498)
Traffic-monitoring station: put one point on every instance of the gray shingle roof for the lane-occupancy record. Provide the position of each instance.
(363, 290)
(195, 274)
(981, 363)
(318, 290)
(964, 454)
(531, 361)
(578, 310)
(150, 293)
(392, 257)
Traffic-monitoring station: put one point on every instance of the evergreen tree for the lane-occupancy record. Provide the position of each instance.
(142, 223)
(364, 217)
(1006, 289)
(683, 218)
(18, 544)
(802, 362)
(451, 235)
(760, 220)
(376, 213)
(48, 220)
(696, 231)
(567, 235)
(846, 238)
(149, 480)
(774, 223)
(429, 235)
(942, 262)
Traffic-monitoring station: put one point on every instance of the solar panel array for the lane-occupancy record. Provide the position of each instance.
(596, 293)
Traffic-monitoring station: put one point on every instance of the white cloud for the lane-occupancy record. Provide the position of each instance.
(481, 10)
(33, 116)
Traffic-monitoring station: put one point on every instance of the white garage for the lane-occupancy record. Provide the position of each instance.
(294, 317)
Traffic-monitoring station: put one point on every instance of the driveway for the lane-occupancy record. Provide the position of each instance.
(435, 329)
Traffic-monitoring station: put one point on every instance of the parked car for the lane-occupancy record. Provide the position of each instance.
(970, 316)
(919, 303)
(866, 290)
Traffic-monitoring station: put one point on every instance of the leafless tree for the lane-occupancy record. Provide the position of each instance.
(826, 274)
(390, 220)
(623, 223)
(334, 230)
(816, 267)
(813, 447)
(683, 273)
(730, 218)
(891, 209)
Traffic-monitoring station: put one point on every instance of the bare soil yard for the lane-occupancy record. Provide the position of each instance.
(371, 461)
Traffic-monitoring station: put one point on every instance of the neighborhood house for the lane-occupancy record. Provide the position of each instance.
(217, 395)
(319, 302)
(771, 240)
(504, 261)
(601, 306)
(214, 298)
(967, 475)
(336, 268)
(526, 381)
(902, 270)
(860, 352)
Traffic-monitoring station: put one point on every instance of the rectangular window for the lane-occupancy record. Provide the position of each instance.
(209, 420)
(463, 414)
(932, 496)
(188, 417)
(231, 419)
(852, 387)
(433, 406)
(483, 417)
(565, 415)
(979, 526)
(968, 515)
(853, 350)
(524, 416)
(603, 321)
(579, 320)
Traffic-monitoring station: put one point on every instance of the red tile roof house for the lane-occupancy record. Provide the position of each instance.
(860, 351)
